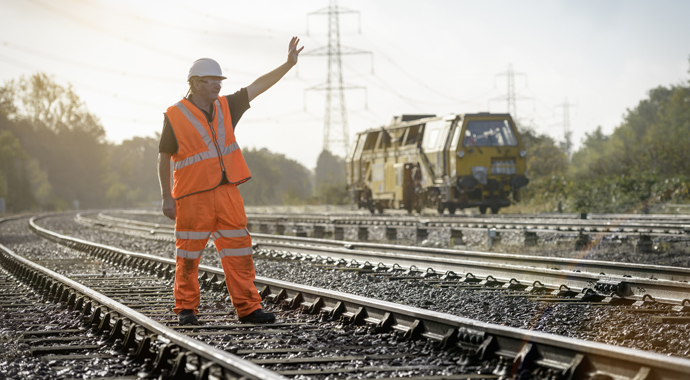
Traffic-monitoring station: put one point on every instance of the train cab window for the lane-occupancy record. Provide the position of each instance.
(371, 140)
(489, 133)
(433, 138)
(414, 134)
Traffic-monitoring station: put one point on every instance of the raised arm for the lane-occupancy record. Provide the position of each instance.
(265, 81)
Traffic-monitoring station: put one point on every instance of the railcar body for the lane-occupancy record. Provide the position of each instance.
(452, 162)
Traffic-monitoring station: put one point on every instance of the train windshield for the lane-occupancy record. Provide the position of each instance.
(489, 133)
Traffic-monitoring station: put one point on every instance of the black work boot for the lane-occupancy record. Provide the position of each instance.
(258, 316)
(187, 317)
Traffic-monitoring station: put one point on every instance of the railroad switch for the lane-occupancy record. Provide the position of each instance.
(621, 289)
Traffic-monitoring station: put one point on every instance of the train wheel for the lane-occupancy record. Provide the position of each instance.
(408, 206)
(440, 207)
(494, 209)
(451, 210)
(482, 209)
(379, 208)
(370, 207)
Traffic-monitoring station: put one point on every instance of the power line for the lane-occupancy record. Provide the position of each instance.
(101, 29)
(87, 65)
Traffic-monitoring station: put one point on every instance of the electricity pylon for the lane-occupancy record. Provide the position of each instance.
(336, 111)
(510, 96)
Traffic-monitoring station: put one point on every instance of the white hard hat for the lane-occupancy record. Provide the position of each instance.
(205, 67)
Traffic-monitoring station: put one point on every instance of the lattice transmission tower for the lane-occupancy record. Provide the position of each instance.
(567, 143)
(336, 111)
(510, 96)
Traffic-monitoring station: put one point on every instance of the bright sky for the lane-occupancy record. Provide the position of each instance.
(128, 60)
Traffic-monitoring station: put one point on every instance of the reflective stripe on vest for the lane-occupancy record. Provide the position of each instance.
(205, 149)
(235, 252)
(212, 152)
(230, 234)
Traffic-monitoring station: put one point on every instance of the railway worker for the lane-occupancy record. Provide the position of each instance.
(198, 134)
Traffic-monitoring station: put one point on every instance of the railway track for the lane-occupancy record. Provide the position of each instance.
(436, 345)
(647, 233)
(609, 282)
(613, 225)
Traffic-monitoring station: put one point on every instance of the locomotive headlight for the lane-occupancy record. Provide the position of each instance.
(461, 153)
(523, 153)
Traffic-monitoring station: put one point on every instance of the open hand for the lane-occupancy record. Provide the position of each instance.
(293, 52)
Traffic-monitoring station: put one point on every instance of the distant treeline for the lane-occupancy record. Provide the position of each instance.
(646, 160)
(54, 156)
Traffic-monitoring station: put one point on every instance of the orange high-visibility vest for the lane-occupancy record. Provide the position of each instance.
(205, 149)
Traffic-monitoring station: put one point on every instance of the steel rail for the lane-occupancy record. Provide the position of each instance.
(233, 365)
(605, 223)
(617, 226)
(629, 280)
(573, 358)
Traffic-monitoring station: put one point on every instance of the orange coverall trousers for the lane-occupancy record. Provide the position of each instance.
(217, 213)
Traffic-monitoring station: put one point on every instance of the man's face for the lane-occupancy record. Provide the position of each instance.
(208, 88)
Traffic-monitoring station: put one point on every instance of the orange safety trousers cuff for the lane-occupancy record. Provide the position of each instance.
(218, 213)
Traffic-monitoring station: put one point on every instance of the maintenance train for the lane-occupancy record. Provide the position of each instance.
(451, 162)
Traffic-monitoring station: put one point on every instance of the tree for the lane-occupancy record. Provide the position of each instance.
(14, 184)
(586, 160)
(261, 188)
(331, 183)
(132, 179)
(547, 166)
(54, 126)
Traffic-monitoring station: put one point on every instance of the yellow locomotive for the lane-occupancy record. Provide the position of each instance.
(451, 162)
